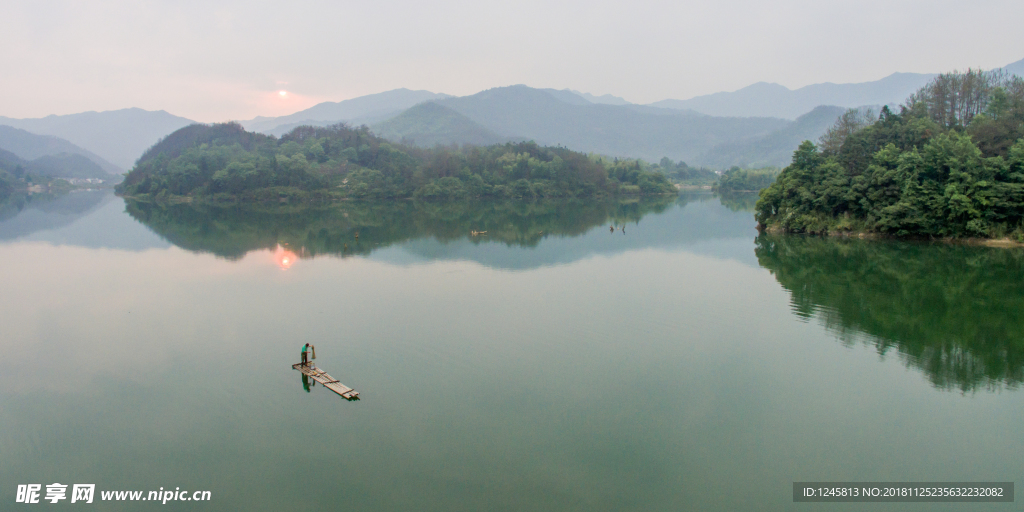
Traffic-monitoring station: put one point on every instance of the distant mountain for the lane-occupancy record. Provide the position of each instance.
(523, 113)
(67, 165)
(429, 124)
(585, 98)
(606, 99)
(119, 136)
(9, 161)
(362, 110)
(567, 96)
(774, 100)
(1017, 68)
(776, 148)
(61, 165)
(63, 156)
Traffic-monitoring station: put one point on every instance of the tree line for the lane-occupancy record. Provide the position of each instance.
(225, 162)
(745, 180)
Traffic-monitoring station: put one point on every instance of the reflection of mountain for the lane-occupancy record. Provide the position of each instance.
(83, 218)
(27, 214)
(518, 234)
(951, 311)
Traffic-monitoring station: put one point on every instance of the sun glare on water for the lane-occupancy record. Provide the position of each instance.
(284, 258)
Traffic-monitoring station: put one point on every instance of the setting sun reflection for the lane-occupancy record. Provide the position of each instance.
(284, 258)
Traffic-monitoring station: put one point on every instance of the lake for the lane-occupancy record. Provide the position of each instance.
(639, 355)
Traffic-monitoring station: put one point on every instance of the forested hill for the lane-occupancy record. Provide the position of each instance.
(950, 163)
(225, 162)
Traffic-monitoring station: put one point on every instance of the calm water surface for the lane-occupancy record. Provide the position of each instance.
(551, 364)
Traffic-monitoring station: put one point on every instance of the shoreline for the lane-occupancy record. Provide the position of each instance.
(1003, 242)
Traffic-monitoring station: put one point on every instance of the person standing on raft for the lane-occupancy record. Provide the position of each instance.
(308, 352)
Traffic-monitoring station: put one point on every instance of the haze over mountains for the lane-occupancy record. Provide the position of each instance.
(430, 123)
(356, 111)
(552, 118)
(50, 156)
(773, 149)
(774, 100)
(118, 136)
(519, 112)
(758, 125)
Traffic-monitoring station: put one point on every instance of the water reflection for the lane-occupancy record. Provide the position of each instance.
(738, 201)
(284, 258)
(83, 218)
(26, 214)
(950, 311)
(352, 228)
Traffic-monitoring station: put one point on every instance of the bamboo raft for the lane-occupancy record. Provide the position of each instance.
(328, 382)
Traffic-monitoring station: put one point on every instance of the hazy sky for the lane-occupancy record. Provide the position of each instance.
(212, 61)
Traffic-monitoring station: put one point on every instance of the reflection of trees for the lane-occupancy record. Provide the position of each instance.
(231, 232)
(951, 311)
(11, 206)
(738, 201)
(734, 201)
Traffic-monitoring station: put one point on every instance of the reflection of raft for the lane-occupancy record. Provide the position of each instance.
(329, 382)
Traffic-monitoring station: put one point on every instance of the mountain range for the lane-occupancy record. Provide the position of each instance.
(562, 118)
(356, 111)
(519, 112)
(761, 123)
(774, 100)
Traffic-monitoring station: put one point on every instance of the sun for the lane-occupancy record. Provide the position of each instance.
(283, 94)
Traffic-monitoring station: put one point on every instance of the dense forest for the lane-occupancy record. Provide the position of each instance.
(949, 163)
(225, 162)
(745, 180)
(949, 310)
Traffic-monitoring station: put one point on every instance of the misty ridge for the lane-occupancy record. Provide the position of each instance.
(759, 125)
(23, 152)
